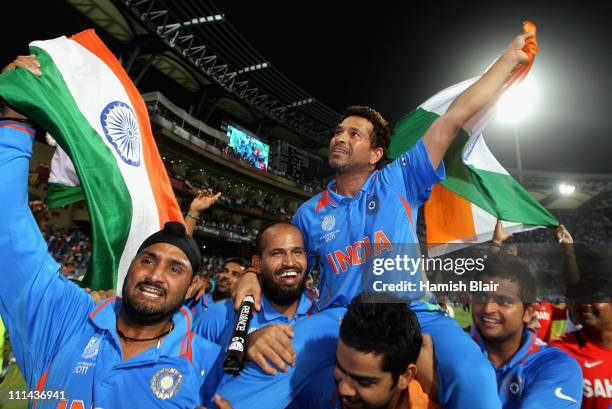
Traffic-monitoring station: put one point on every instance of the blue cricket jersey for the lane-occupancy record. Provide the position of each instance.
(538, 376)
(379, 222)
(199, 307)
(348, 235)
(218, 323)
(62, 341)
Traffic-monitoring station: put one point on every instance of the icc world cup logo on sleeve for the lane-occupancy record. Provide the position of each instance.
(328, 223)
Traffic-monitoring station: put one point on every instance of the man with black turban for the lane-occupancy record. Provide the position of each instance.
(137, 351)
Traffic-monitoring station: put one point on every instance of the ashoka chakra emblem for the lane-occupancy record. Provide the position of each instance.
(121, 129)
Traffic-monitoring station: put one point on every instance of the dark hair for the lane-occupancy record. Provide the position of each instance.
(238, 260)
(381, 133)
(513, 268)
(386, 327)
(592, 261)
(259, 243)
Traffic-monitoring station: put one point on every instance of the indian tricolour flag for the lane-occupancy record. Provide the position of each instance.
(88, 103)
(477, 190)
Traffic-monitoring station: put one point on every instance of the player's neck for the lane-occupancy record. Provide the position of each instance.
(502, 352)
(287, 310)
(603, 338)
(217, 296)
(133, 328)
(348, 183)
(400, 400)
(136, 337)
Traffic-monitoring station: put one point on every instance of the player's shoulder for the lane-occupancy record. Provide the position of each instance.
(311, 204)
(204, 353)
(218, 312)
(549, 352)
(310, 208)
(204, 345)
(550, 359)
(567, 342)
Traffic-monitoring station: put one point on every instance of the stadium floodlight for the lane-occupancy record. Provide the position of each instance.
(203, 20)
(254, 67)
(519, 101)
(566, 189)
(300, 103)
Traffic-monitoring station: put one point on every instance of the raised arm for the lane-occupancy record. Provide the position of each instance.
(441, 133)
(571, 274)
(39, 306)
(203, 200)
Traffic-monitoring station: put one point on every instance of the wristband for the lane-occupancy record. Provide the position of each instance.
(492, 243)
(250, 270)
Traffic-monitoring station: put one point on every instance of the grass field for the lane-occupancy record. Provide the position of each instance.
(463, 318)
(13, 382)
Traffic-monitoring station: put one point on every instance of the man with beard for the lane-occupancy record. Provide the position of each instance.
(590, 302)
(370, 210)
(530, 374)
(280, 262)
(135, 351)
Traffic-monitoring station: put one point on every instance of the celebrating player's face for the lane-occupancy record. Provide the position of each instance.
(351, 147)
(228, 278)
(156, 283)
(361, 382)
(283, 264)
(500, 315)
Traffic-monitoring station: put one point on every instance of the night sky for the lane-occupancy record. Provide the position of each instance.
(393, 57)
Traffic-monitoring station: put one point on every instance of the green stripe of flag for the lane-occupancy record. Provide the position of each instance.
(496, 193)
(59, 195)
(48, 101)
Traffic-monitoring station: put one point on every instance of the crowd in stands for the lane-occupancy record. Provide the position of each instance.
(227, 223)
(211, 264)
(234, 194)
(71, 247)
(592, 227)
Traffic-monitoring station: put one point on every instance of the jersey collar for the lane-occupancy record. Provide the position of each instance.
(271, 314)
(20, 126)
(367, 188)
(175, 343)
(530, 344)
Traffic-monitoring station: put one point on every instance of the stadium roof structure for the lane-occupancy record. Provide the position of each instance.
(192, 42)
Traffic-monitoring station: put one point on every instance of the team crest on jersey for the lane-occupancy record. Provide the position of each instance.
(166, 382)
(328, 222)
(92, 348)
(514, 388)
(372, 206)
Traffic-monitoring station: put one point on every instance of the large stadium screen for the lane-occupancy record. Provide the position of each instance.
(249, 148)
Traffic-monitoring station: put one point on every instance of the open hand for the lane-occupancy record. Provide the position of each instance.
(272, 343)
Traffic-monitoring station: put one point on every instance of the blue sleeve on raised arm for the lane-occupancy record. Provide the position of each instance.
(39, 307)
